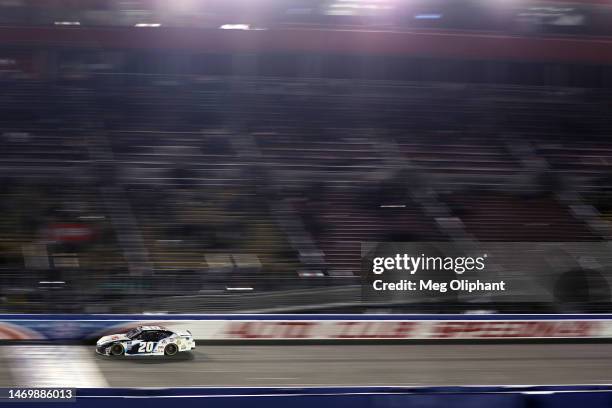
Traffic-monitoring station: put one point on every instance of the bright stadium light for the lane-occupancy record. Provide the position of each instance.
(147, 25)
(428, 16)
(235, 27)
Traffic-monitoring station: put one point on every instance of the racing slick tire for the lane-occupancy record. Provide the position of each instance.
(171, 349)
(117, 350)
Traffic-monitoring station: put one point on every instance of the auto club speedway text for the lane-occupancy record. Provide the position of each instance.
(428, 329)
(411, 264)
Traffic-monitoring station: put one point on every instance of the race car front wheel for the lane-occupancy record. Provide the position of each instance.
(116, 350)
(171, 349)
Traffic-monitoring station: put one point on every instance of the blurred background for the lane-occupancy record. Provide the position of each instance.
(232, 155)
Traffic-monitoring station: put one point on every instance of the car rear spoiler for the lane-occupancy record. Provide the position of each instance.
(184, 333)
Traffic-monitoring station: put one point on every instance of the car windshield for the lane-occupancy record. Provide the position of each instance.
(133, 333)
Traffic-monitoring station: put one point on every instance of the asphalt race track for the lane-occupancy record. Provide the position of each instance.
(318, 365)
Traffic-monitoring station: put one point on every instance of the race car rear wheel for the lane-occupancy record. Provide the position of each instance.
(171, 349)
(117, 349)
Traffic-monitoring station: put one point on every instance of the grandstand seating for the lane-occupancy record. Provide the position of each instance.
(198, 165)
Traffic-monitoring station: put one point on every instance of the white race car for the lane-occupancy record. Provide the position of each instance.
(146, 341)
